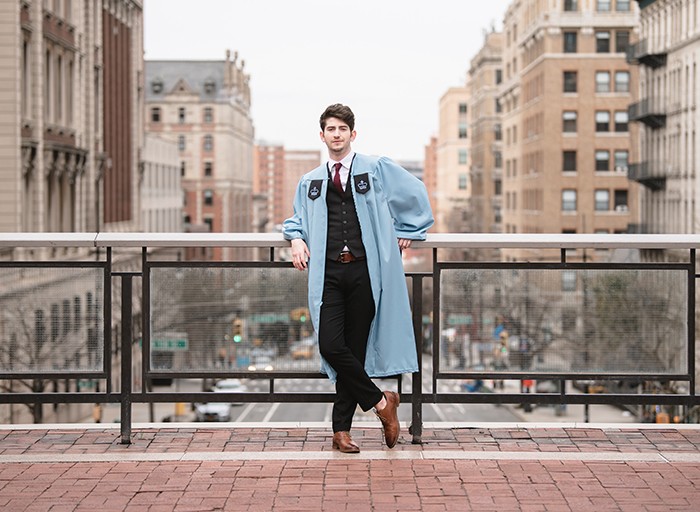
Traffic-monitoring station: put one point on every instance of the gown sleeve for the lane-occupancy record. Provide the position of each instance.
(407, 199)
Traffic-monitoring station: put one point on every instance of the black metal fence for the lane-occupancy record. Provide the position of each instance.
(625, 328)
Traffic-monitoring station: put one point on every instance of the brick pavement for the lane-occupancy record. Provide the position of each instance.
(191, 467)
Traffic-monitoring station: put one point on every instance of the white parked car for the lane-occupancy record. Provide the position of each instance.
(212, 411)
(230, 386)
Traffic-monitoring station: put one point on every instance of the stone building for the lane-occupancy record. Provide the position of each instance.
(204, 107)
(72, 103)
(667, 53)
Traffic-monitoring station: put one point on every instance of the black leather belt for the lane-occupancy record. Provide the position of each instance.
(347, 257)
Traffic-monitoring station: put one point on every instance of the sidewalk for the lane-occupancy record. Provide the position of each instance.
(251, 467)
(571, 413)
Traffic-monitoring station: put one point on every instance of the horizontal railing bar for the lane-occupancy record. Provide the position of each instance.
(57, 375)
(223, 374)
(58, 398)
(440, 398)
(475, 265)
(556, 398)
(435, 240)
(560, 376)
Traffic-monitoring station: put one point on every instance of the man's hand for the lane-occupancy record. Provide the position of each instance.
(300, 254)
(404, 243)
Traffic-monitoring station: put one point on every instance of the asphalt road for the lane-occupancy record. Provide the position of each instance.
(314, 412)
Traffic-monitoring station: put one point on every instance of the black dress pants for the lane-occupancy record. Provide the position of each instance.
(347, 311)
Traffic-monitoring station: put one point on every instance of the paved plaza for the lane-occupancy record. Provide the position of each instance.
(494, 467)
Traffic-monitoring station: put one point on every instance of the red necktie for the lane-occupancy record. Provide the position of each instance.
(336, 177)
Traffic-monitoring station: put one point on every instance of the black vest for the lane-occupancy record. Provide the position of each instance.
(343, 226)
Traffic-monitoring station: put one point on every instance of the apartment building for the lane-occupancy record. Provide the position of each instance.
(667, 53)
(451, 180)
(204, 106)
(430, 171)
(485, 77)
(565, 95)
(276, 174)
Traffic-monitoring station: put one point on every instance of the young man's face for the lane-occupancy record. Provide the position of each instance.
(337, 136)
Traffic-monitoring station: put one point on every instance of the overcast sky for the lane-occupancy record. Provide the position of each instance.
(389, 60)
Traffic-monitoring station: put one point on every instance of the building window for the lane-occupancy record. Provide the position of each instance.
(602, 161)
(208, 169)
(622, 81)
(603, 5)
(462, 157)
(181, 142)
(182, 168)
(622, 5)
(462, 108)
(208, 197)
(602, 81)
(569, 161)
(208, 143)
(462, 130)
(210, 223)
(620, 200)
(77, 313)
(497, 132)
(499, 76)
(497, 160)
(568, 282)
(602, 121)
(497, 106)
(570, 81)
(155, 115)
(568, 200)
(569, 118)
(622, 41)
(462, 182)
(497, 187)
(570, 38)
(602, 41)
(602, 200)
(621, 160)
(621, 121)
(181, 115)
(570, 5)
(208, 115)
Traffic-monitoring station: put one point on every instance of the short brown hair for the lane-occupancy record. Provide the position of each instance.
(338, 111)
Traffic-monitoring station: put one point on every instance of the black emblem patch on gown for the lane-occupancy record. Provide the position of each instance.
(362, 183)
(315, 189)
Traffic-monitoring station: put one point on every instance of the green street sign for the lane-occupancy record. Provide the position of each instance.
(169, 344)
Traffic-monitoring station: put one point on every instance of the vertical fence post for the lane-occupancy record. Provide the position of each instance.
(126, 359)
(416, 429)
(691, 328)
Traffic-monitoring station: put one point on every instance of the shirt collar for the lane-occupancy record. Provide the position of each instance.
(347, 161)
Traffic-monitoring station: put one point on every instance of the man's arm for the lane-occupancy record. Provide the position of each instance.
(293, 230)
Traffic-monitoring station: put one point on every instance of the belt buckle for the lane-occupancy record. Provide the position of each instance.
(345, 257)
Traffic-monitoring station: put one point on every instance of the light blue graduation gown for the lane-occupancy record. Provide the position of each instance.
(395, 206)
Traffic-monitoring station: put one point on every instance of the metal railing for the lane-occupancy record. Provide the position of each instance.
(568, 319)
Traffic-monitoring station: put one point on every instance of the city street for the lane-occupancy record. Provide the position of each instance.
(314, 412)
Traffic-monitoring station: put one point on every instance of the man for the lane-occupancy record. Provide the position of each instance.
(352, 215)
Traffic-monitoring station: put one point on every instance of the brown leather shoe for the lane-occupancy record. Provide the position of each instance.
(343, 442)
(390, 419)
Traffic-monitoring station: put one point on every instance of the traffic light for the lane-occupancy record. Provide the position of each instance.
(299, 314)
(237, 330)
